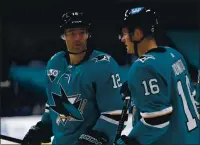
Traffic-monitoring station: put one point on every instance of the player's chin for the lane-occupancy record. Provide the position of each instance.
(78, 49)
(129, 51)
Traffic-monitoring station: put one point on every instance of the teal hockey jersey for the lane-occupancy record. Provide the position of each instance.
(160, 86)
(197, 99)
(82, 97)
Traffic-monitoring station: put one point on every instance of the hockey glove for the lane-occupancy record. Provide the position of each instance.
(37, 134)
(93, 138)
(124, 91)
(124, 140)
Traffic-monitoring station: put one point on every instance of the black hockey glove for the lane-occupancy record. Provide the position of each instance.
(124, 91)
(125, 140)
(93, 138)
(37, 134)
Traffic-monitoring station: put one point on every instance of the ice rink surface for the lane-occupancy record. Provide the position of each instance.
(12, 123)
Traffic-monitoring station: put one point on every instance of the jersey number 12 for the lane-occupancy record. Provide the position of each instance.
(116, 81)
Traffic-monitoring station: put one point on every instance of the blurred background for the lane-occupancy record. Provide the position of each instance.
(30, 35)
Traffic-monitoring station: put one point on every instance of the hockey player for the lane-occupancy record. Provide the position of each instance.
(84, 103)
(160, 87)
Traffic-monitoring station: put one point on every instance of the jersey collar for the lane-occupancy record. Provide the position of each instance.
(86, 57)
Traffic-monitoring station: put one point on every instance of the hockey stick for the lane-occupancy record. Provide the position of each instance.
(198, 89)
(12, 139)
(123, 117)
(198, 79)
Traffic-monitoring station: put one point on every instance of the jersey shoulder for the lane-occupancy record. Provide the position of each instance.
(102, 64)
(101, 59)
(173, 51)
(152, 56)
(55, 58)
(142, 67)
(144, 62)
(57, 55)
(159, 57)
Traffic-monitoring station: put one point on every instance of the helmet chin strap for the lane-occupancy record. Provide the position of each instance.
(135, 43)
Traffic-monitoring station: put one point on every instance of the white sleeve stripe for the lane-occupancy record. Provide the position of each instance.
(47, 105)
(116, 112)
(195, 104)
(109, 120)
(156, 126)
(193, 93)
(47, 110)
(157, 113)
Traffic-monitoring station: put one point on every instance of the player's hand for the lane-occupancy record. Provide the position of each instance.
(124, 91)
(36, 135)
(31, 137)
(125, 140)
(93, 138)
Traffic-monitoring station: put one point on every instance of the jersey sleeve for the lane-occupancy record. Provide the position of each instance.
(109, 101)
(197, 97)
(149, 92)
(46, 115)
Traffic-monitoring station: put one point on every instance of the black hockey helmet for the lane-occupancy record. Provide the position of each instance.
(74, 19)
(140, 17)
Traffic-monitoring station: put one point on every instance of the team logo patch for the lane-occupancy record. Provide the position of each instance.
(145, 57)
(136, 10)
(101, 58)
(52, 74)
(68, 108)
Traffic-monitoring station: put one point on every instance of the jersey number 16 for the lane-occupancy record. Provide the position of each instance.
(191, 123)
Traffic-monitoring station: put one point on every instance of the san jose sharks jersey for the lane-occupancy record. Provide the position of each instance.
(161, 89)
(197, 99)
(82, 97)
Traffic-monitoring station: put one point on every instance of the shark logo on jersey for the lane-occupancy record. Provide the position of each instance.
(52, 74)
(68, 108)
(145, 57)
(101, 58)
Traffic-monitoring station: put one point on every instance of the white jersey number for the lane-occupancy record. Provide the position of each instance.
(116, 81)
(191, 123)
(151, 87)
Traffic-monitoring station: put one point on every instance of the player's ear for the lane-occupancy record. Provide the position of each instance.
(63, 37)
(87, 35)
(138, 34)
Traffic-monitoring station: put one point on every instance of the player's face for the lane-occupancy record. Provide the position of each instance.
(127, 41)
(76, 39)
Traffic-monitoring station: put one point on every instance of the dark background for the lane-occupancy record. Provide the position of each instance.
(32, 27)
(29, 30)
